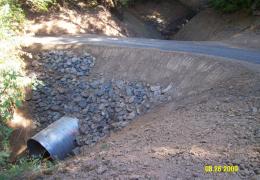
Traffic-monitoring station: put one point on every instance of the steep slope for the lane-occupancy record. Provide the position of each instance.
(237, 29)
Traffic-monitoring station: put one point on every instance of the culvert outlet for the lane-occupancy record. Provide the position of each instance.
(56, 141)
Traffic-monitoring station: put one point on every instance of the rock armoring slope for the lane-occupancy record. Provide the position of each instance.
(101, 104)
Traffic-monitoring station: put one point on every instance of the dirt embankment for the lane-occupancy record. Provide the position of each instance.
(96, 20)
(238, 29)
(164, 18)
(146, 19)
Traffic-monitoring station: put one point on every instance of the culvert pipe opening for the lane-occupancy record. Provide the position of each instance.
(56, 141)
(36, 149)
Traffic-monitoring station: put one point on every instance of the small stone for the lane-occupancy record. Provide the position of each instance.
(237, 161)
(55, 108)
(227, 100)
(120, 124)
(99, 93)
(131, 99)
(131, 115)
(119, 84)
(83, 103)
(147, 106)
(157, 93)
(121, 104)
(84, 68)
(80, 73)
(254, 110)
(129, 109)
(74, 59)
(76, 151)
(168, 88)
(155, 88)
(94, 84)
(101, 169)
(118, 109)
(61, 90)
(85, 94)
(68, 63)
(138, 110)
(257, 133)
(195, 175)
(129, 91)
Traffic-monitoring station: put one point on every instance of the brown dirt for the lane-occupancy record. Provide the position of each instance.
(165, 17)
(71, 21)
(238, 29)
(23, 129)
(147, 19)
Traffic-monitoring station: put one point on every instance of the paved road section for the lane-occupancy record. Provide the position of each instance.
(205, 48)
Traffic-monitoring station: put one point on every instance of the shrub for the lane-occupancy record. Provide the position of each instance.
(12, 83)
(229, 6)
(12, 78)
(11, 18)
(40, 5)
(12, 15)
(15, 171)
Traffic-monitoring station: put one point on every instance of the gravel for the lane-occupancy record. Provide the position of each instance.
(101, 104)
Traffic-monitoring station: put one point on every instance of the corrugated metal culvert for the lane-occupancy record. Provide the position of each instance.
(56, 141)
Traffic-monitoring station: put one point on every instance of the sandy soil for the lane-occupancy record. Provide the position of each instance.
(71, 21)
(238, 29)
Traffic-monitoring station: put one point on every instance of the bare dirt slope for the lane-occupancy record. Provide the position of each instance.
(72, 21)
(145, 19)
(238, 29)
(165, 17)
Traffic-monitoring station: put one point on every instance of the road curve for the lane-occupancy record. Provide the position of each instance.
(204, 48)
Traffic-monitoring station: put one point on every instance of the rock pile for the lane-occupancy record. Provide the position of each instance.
(100, 104)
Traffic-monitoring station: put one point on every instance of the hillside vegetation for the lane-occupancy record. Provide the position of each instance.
(235, 5)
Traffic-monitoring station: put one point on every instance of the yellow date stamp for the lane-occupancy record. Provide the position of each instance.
(221, 169)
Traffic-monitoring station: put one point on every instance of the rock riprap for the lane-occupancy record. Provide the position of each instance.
(101, 104)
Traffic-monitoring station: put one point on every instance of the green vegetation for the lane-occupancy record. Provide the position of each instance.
(132, 2)
(228, 6)
(12, 15)
(11, 18)
(29, 165)
(13, 80)
(41, 5)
